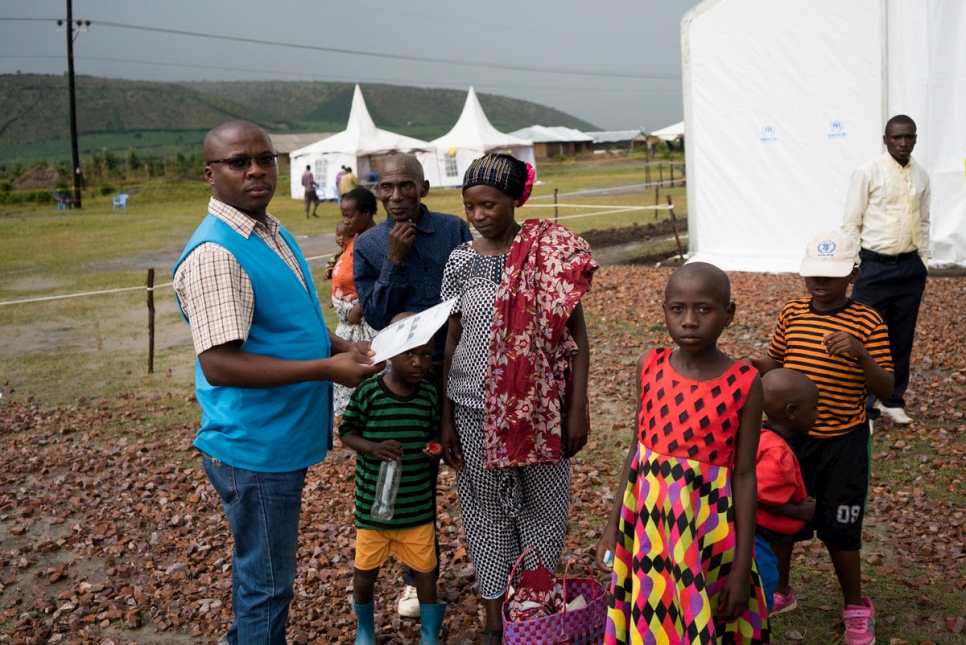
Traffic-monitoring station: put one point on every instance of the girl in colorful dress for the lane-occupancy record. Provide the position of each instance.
(515, 370)
(683, 539)
(358, 208)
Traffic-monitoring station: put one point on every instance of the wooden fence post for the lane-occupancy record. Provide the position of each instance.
(151, 320)
(674, 223)
(554, 205)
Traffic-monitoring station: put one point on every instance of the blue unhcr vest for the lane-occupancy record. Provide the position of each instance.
(272, 429)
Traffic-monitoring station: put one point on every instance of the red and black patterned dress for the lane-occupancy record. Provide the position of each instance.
(676, 540)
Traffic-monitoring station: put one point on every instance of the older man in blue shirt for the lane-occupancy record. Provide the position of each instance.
(398, 266)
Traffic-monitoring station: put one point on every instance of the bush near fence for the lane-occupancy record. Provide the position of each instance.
(26, 196)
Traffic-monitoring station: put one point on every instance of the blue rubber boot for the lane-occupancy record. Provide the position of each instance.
(365, 624)
(430, 623)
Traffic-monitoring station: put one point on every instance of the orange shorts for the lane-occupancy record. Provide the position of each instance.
(415, 547)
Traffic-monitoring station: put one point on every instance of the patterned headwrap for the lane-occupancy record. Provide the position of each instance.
(507, 174)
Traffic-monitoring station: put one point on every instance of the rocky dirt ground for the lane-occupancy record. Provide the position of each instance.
(109, 532)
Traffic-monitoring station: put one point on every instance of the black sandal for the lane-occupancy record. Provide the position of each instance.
(492, 637)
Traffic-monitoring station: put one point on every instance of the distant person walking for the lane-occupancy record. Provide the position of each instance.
(311, 197)
(887, 215)
(264, 372)
(347, 182)
(338, 178)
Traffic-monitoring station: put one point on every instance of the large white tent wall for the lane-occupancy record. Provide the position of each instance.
(473, 136)
(352, 148)
(783, 99)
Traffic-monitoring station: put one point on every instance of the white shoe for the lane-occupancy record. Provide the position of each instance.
(896, 415)
(408, 603)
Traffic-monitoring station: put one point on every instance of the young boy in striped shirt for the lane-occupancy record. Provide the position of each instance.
(843, 346)
(396, 416)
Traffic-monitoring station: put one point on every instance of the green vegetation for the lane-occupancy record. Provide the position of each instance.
(162, 119)
(45, 252)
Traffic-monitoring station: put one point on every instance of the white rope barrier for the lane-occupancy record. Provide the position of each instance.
(617, 207)
(610, 209)
(667, 183)
(78, 295)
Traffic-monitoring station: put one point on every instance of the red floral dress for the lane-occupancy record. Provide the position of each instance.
(546, 274)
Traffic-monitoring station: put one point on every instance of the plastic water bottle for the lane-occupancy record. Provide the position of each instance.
(387, 486)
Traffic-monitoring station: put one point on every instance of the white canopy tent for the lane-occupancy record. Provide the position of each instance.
(352, 147)
(473, 136)
(670, 133)
(784, 99)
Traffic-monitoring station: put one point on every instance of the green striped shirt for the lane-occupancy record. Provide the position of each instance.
(797, 344)
(377, 414)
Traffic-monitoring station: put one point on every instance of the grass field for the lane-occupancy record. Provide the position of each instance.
(45, 253)
(87, 356)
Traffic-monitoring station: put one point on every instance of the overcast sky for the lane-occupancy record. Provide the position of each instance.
(615, 63)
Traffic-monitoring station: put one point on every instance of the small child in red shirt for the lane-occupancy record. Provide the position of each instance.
(791, 407)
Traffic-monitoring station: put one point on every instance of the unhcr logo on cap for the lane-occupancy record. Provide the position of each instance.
(768, 133)
(832, 255)
(826, 249)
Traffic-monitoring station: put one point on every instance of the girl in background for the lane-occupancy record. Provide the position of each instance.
(358, 208)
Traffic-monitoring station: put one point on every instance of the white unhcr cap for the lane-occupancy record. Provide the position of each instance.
(830, 255)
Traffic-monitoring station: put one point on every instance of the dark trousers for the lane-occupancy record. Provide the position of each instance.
(893, 286)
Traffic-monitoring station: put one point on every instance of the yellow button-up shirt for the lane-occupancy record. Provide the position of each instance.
(887, 207)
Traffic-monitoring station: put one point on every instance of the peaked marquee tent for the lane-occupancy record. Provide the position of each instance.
(473, 136)
(784, 99)
(352, 147)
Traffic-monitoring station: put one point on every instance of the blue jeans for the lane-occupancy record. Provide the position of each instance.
(263, 512)
(767, 569)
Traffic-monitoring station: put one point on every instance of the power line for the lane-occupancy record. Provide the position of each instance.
(353, 79)
(419, 59)
(354, 52)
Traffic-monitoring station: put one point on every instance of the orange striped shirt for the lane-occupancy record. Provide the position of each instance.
(797, 344)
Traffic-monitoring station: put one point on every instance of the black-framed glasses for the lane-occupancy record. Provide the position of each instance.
(243, 163)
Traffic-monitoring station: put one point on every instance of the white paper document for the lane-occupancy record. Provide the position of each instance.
(410, 332)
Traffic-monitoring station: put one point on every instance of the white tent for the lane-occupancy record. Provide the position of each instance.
(473, 136)
(670, 133)
(551, 134)
(352, 147)
(783, 99)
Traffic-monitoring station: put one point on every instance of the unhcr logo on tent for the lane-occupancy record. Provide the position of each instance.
(836, 129)
(768, 133)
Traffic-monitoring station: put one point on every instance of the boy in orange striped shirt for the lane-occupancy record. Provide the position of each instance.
(843, 347)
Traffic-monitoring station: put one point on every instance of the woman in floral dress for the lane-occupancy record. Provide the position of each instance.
(515, 370)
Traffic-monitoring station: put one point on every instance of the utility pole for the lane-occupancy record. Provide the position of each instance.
(74, 156)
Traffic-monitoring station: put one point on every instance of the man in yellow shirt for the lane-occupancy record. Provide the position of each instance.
(887, 213)
(347, 182)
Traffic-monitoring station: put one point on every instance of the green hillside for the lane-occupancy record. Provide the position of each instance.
(392, 106)
(165, 118)
(34, 108)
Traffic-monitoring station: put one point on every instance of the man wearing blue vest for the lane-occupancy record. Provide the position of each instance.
(264, 372)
